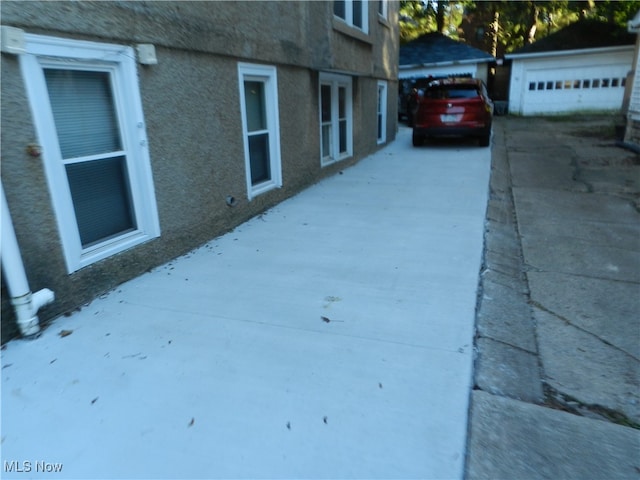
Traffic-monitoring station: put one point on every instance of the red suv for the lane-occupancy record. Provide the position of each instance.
(453, 107)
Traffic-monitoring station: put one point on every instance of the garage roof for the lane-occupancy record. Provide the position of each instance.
(583, 34)
(436, 49)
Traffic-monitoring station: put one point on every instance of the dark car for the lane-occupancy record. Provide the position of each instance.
(453, 107)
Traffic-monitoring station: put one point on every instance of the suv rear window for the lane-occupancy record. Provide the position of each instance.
(451, 91)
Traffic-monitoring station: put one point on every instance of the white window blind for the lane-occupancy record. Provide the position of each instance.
(88, 134)
(82, 105)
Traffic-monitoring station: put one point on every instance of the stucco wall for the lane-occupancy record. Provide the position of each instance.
(192, 113)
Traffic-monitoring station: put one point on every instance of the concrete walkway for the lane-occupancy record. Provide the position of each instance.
(331, 337)
(557, 392)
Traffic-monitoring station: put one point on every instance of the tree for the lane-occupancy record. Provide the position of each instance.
(501, 26)
(418, 17)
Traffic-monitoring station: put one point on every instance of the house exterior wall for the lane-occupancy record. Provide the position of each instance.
(192, 117)
(564, 83)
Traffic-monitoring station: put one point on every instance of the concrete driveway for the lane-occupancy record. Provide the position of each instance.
(331, 337)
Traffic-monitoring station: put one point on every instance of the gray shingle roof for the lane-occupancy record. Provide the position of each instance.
(432, 48)
(579, 35)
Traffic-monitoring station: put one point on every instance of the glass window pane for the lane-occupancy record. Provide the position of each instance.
(254, 100)
(343, 136)
(339, 8)
(259, 158)
(325, 100)
(83, 111)
(342, 102)
(101, 199)
(326, 141)
(357, 13)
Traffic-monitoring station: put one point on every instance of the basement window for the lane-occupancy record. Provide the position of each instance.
(88, 115)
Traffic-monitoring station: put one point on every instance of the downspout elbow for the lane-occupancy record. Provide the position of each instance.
(26, 308)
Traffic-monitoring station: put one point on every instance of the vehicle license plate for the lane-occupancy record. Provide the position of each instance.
(450, 118)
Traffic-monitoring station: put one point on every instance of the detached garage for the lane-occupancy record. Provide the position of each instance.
(582, 67)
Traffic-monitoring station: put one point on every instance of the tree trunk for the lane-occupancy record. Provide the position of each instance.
(440, 16)
(532, 24)
(494, 33)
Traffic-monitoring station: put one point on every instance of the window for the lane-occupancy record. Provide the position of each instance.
(88, 114)
(383, 8)
(382, 112)
(353, 12)
(260, 127)
(335, 118)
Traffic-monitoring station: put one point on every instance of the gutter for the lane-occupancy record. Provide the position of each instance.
(25, 303)
(561, 53)
(446, 63)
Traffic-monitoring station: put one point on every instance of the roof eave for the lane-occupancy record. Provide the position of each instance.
(447, 63)
(560, 53)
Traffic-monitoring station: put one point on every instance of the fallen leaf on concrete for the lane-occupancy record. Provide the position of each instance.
(193, 420)
(65, 333)
(94, 400)
(325, 319)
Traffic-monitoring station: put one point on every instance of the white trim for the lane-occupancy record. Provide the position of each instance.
(118, 61)
(381, 110)
(335, 82)
(268, 75)
(562, 53)
(446, 63)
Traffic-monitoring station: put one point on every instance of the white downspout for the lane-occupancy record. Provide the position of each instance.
(25, 303)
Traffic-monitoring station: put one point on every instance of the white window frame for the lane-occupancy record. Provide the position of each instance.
(381, 111)
(383, 9)
(268, 76)
(348, 18)
(53, 52)
(336, 81)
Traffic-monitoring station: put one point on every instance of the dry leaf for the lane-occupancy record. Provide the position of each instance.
(65, 333)
(193, 420)
(325, 319)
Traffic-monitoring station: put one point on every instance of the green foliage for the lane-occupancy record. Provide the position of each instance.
(520, 22)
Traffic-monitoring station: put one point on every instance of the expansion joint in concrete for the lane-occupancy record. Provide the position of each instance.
(561, 401)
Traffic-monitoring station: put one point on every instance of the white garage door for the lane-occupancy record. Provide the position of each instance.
(571, 89)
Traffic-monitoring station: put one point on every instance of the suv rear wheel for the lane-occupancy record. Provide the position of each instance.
(417, 139)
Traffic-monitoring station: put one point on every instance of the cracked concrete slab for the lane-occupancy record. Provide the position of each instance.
(515, 440)
(579, 364)
(571, 255)
(605, 308)
(505, 370)
(544, 170)
(504, 315)
(555, 206)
